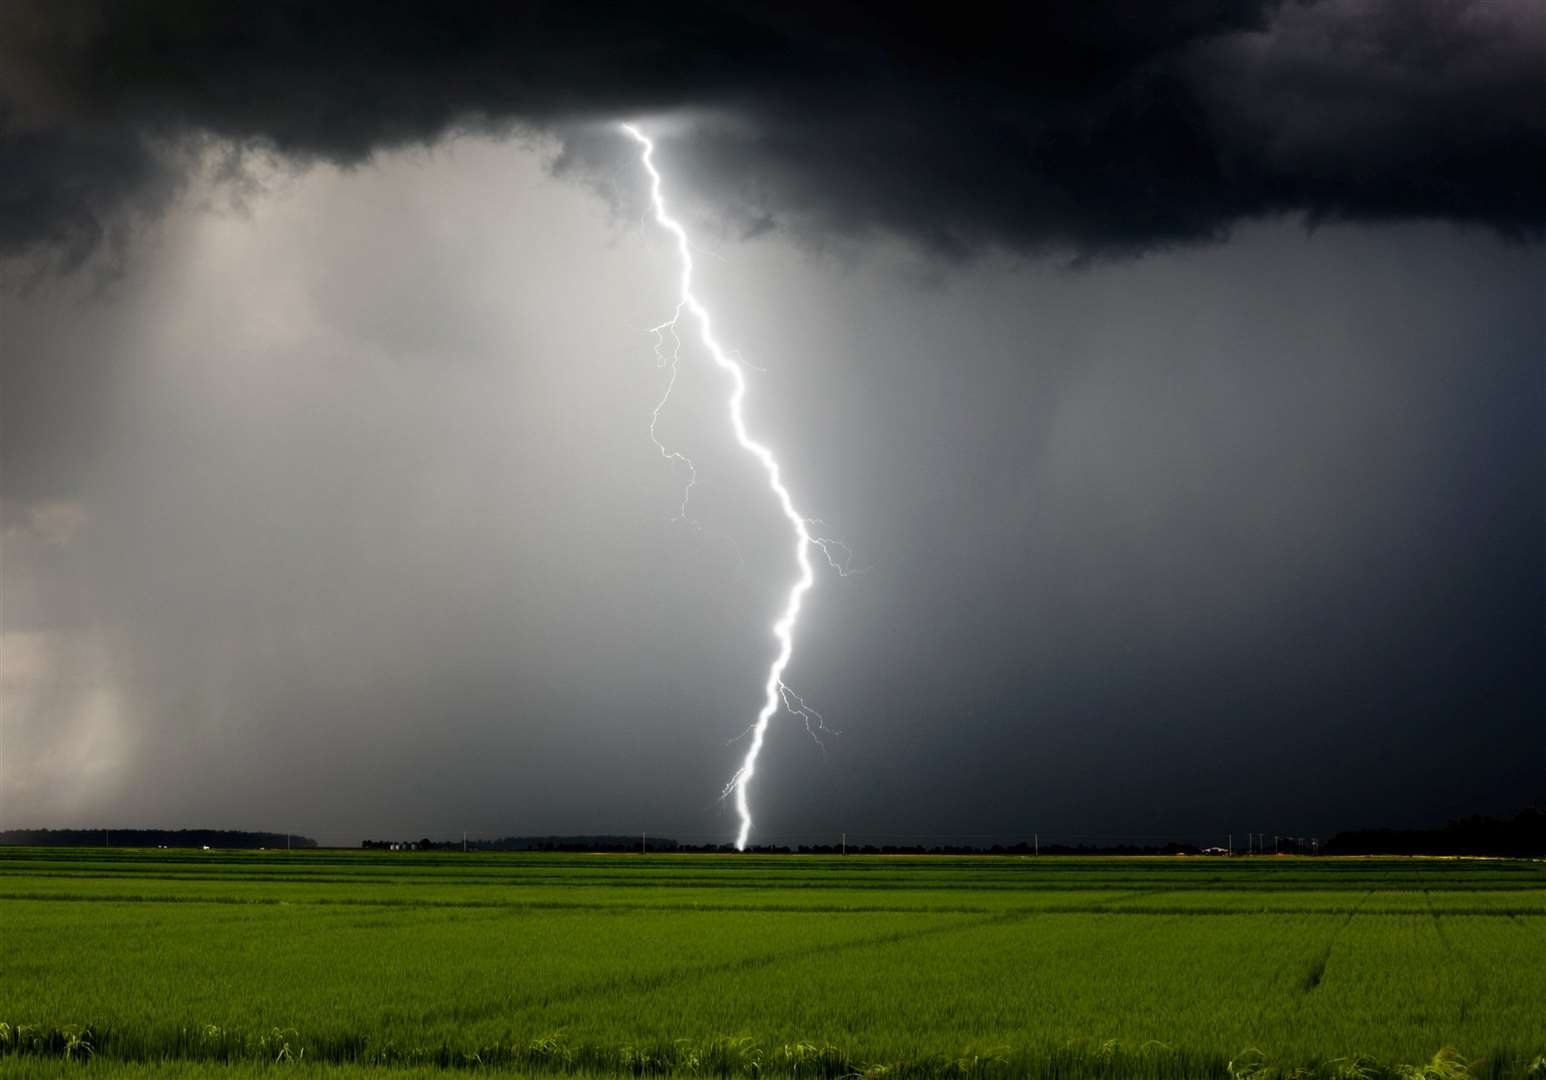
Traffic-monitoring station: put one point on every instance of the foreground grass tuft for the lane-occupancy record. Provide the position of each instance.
(730, 1057)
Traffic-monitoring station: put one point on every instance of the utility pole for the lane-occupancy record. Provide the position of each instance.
(464, 841)
(643, 843)
(107, 838)
(287, 842)
(1230, 844)
(1037, 840)
(844, 842)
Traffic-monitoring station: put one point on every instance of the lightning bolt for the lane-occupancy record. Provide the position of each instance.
(774, 690)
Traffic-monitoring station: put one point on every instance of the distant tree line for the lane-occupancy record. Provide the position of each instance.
(1022, 847)
(149, 838)
(535, 843)
(609, 843)
(1520, 836)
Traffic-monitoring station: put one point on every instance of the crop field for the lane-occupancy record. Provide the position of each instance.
(192, 963)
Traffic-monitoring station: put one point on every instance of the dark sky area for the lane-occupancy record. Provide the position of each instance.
(1177, 372)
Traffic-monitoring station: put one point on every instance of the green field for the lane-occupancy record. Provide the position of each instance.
(182, 963)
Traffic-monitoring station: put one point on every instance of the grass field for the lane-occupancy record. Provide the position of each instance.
(183, 963)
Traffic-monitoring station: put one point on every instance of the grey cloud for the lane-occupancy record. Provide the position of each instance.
(374, 539)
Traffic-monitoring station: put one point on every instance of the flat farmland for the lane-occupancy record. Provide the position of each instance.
(171, 963)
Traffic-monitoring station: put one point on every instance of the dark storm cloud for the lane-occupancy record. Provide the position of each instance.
(1086, 127)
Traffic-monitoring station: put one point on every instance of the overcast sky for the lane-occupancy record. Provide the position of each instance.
(1179, 379)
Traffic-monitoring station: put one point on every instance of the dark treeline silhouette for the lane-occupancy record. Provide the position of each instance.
(1520, 836)
(667, 844)
(149, 838)
(1023, 847)
(535, 843)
